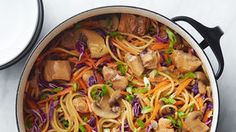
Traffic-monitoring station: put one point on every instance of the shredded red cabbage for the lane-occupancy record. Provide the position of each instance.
(51, 110)
(92, 121)
(101, 32)
(163, 40)
(78, 66)
(137, 108)
(208, 122)
(35, 128)
(163, 62)
(113, 48)
(195, 88)
(126, 127)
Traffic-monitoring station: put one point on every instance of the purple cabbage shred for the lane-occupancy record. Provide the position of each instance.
(195, 88)
(137, 108)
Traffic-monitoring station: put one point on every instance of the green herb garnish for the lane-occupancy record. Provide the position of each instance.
(140, 90)
(147, 83)
(172, 39)
(168, 61)
(104, 91)
(74, 87)
(191, 108)
(129, 97)
(116, 34)
(129, 89)
(168, 100)
(189, 75)
(77, 26)
(122, 68)
(43, 96)
(94, 93)
(28, 124)
(58, 89)
(82, 128)
(140, 123)
(106, 130)
(176, 122)
(181, 114)
(65, 123)
(146, 109)
(153, 74)
(85, 118)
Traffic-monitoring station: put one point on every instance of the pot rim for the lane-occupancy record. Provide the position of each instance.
(132, 8)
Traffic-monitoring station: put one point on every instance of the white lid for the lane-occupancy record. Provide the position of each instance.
(20, 25)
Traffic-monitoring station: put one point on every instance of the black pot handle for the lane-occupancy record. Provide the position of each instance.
(211, 38)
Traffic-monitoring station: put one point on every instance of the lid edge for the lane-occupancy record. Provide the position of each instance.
(33, 39)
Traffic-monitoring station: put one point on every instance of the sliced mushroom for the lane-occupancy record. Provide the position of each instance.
(80, 104)
(86, 76)
(202, 77)
(115, 96)
(133, 24)
(57, 70)
(135, 64)
(201, 87)
(118, 81)
(165, 125)
(185, 62)
(103, 107)
(149, 59)
(96, 43)
(193, 121)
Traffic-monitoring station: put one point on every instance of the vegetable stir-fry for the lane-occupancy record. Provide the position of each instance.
(118, 73)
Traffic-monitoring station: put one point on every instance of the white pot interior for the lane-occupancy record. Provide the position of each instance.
(106, 10)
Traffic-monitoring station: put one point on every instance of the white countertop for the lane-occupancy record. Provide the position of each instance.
(210, 13)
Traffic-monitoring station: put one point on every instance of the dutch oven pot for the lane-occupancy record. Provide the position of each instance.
(211, 39)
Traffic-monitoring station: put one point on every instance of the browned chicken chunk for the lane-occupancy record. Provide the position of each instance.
(96, 43)
(88, 74)
(118, 81)
(185, 62)
(81, 105)
(165, 125)
(133, 24)
(135, 64)
(70, 38)
(194, 124)
(57, 70)
(149, 59)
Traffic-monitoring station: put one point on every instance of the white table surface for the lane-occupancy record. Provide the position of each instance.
(208, 12)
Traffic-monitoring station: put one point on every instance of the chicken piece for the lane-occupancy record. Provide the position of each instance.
(89, 78)
(133, 24)
(96, 43)
(149, 59)
(80, 104)
(118, 81)
(194, 124)
(57, 70)
(108, 73)
(70, 38)
(135, 64)
(185, 62)
(165, 125)
(202, 88)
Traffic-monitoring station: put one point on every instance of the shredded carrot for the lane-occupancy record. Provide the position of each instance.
(206, 115)
(154, 113)
(88, 128)
(112, 65)
(101, 60)
(82, 73)
(182, 86)
(31, 104)
(177, 103)
(123, 93)
(63, 92)
(99, 78)
(159, 46)
(82, 84)
(200, 102)
(161, 84)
